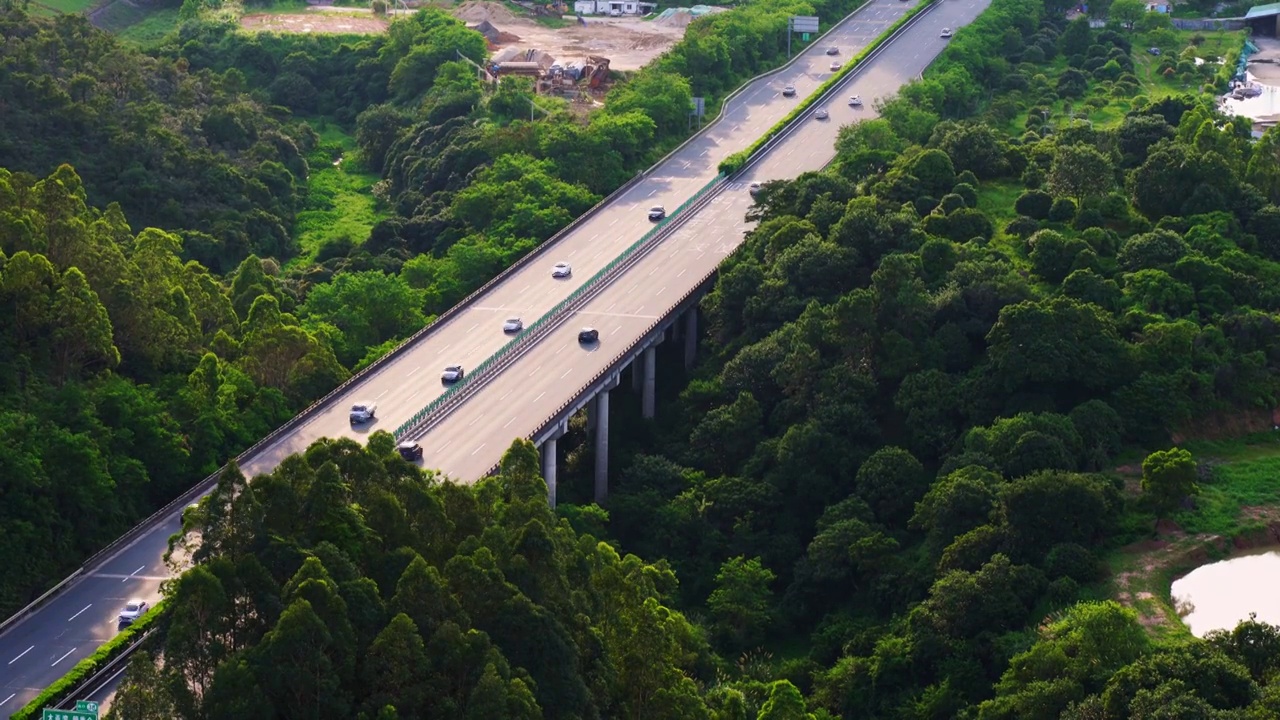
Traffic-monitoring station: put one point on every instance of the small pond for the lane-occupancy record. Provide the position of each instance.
(1221, 594)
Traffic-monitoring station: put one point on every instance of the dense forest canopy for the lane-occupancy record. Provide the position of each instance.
(884, 493)
(149, 203)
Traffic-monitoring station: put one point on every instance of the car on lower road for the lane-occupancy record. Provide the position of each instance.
(513, 325)
(587, 335)
(835, 66)
(821, 114)
(561, 270)
(657, 212)
(410, 450)
(133, 610)
(452, 374)
(833, 51)
(946, 33)
(789, 91)
(855, 101)
(754, 189)
(362, 413)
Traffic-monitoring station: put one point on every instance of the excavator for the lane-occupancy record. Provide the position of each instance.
(598, 69)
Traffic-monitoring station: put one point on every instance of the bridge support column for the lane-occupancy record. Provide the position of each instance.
(650, 381)
(637, 376)
(690, 336)
(549, 461)
(602, 446)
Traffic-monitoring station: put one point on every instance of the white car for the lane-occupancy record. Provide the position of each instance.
(821, 114)
(789, 91)
(835, 66)
(561, 270)
(362, 413)
(452, 374)
(755, 188)
(133, 610)
(855, 101)
(946, 33)
(657, 212)
(513, 325)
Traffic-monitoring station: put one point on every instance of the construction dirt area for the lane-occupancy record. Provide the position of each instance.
(629, 43)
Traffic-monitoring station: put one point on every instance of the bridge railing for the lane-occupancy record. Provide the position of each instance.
(480, 374)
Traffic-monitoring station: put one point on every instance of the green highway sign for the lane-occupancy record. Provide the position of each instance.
(87, 706)
(67, 715)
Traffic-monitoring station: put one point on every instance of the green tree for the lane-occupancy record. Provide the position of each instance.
(1168, 478)
(741, 604)
(393, 668)
(1080, 171)
(1127, 12)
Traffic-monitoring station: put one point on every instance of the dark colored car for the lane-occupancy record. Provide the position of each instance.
(410, 450)
(586, 336)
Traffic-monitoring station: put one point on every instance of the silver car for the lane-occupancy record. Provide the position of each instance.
(513, 325)
(452, 374)
(561, 270)
(657, 212)
(835, 66)
(133, 610)
(946, 33)
(821, 114)
(789, 91)
(754, 189)
(362, 413)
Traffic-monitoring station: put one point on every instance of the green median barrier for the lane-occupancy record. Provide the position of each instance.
(736, 161)
(86, 668)
(554, 312)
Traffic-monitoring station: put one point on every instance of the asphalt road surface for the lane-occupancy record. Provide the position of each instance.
(38, 650)
(471, 440)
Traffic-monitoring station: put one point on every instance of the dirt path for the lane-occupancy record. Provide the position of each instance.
(314, 22)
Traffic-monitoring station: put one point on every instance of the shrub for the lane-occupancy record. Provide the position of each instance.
(1070, 560)
(1063, 210)
(951, 203)
(1034, 203)
(967, 191)
(1021, 227)
(1089, 218)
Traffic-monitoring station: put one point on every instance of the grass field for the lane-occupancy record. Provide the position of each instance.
(340, 200)
(67, 6)
(1245, 475)
(152, 28)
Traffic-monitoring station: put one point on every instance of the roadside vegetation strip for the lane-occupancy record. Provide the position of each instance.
(90, 666)
(738, 160)
(411, 425)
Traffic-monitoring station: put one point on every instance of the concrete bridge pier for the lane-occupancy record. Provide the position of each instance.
(601, 404)
(650, 383)
(690, 336)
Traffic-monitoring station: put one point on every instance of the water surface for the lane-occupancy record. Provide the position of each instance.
(1223, 593)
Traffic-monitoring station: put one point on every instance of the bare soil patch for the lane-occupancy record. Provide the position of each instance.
(629, 43)
(330, 23)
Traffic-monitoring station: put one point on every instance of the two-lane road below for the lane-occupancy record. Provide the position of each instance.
(471, 440)
(37, 650)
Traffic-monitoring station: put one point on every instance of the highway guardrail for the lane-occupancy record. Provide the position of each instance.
(465, 387)
(304, 416)
(795, 120)
(738, 161)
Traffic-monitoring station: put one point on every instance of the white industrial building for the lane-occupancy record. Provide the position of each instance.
(613, 7)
